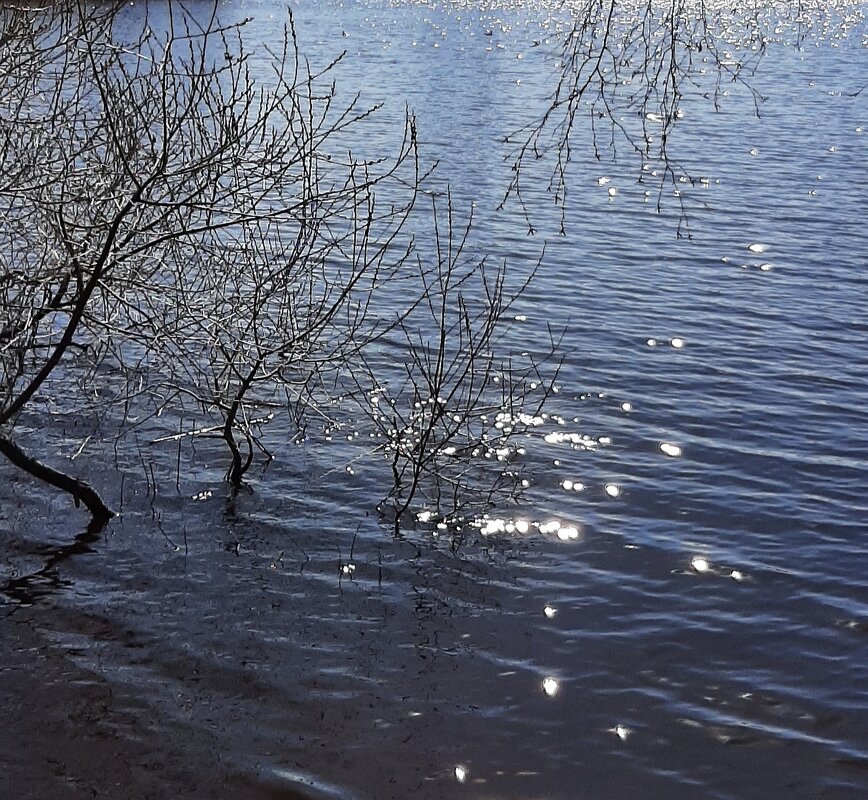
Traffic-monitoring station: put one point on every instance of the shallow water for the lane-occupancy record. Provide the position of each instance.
(703, 633)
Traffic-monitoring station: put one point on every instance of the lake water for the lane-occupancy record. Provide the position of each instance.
(705, 632)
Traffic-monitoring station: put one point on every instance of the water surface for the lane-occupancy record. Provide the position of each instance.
(703, 633)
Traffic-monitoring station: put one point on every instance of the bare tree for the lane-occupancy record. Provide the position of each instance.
(454, 417)
(170, 220)
(179, 238)
(623, 70)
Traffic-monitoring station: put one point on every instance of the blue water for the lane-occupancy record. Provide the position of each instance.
(705, 634)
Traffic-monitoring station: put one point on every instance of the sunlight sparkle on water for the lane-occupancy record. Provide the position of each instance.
(577, 440)
(487, 526)
(700, 564)
(621, 731)
(568, 533)
(530, 420)
(493, 526)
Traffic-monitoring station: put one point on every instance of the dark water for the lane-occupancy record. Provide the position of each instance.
(704, 631)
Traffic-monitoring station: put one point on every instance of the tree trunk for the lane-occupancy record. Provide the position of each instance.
(81, 491)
